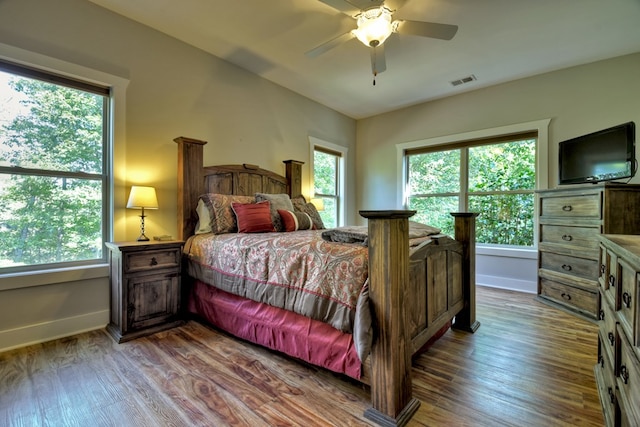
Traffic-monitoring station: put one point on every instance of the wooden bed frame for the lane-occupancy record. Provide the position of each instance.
(412, 298)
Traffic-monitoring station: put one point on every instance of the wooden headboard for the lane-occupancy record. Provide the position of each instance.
(194, 179)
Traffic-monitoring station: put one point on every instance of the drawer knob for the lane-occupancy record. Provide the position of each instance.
(624, 374)
(612, 280)
(601, 361)
(612, 338)
(603, 268)
(566, 267)
(626, 299)
(612, 396)
(154, 261)
(601, 317)
(567, 208)
(567, 238)
(566, 297)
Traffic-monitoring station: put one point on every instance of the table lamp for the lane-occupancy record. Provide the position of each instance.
(142, 198)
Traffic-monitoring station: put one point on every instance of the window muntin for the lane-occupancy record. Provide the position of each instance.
(326, 180)
(53, 170)
(495, 178)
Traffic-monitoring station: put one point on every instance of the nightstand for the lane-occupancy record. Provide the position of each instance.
(145, 287)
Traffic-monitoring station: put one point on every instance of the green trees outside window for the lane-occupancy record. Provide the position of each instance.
(497, 180)
(53, 174)
(326, 184)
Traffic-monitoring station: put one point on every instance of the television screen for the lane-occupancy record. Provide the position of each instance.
(605, 155)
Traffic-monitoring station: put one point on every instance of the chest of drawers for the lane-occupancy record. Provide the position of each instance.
(618, 369)
(570, 220)
(145, 287)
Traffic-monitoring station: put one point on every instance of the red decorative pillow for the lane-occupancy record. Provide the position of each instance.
(253, 217)
(293, 221)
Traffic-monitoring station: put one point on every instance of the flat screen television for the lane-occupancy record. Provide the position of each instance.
(605, 155)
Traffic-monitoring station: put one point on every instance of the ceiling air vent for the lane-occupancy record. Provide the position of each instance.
(463, 80)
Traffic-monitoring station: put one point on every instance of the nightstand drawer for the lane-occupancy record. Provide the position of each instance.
(581, 267)
(576, 298)
(582, 206)
(151, 260)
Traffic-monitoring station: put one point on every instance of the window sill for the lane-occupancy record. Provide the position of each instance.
(508, 252)
(51, 277)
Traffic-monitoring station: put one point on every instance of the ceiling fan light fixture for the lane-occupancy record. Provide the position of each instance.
(374, 26)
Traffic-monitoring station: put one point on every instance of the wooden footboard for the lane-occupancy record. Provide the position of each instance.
(413, 295)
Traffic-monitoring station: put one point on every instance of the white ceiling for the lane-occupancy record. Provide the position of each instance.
(497, 41)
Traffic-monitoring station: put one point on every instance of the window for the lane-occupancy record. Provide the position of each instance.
(54, 171)
(495, 177)
(329, 179)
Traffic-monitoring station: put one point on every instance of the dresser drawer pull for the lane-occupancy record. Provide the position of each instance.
(567, 238)
(624, 374)
(612, 280)
(626, 299)
(612, 338)
(566, 297)
(603, 268)
(154, 261)
(612, 396)
(567, 208)
(601, 317)
(566, 267)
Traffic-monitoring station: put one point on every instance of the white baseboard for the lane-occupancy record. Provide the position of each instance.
(508, 283)
(47, 331)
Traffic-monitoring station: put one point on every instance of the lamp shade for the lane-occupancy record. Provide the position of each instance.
(142, 198)
(374, 26)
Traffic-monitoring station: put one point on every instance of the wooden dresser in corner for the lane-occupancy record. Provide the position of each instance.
(618, 369)
(570, 220)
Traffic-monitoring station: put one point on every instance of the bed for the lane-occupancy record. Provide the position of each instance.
(405, 292)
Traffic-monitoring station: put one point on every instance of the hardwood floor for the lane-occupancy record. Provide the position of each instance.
(527, 365)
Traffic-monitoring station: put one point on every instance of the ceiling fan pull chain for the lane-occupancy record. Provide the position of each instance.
(374, 78)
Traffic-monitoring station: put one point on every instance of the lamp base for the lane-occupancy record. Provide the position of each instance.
(143, 238)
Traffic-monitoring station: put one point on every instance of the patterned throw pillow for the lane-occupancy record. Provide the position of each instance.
(293, 221)
(277, 201)
(253, 217)
(301, 205)
(221, 216)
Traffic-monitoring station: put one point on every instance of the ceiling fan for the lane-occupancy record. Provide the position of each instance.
(375, 24)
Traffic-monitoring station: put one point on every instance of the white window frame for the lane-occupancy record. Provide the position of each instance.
(342, 173)
(542, 169)
(115, 162)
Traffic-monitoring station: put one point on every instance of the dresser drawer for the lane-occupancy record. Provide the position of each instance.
(607, 331)
(606, 382)
(578, 237)
(152, 260)
(581, 267)
(627, 278)
(574, 298)
(628, 379)
(578, 206)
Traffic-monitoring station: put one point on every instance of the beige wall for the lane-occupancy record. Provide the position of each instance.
(578, 100)
(173, 90)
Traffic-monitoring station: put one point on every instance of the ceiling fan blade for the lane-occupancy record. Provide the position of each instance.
(394, 4)
(343, 6)
(428, 29)
(378, 60)
(326, 46)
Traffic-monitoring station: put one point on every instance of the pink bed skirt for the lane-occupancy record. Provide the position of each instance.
(285, 331)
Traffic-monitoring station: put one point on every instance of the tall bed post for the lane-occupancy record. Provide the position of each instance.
(391, 392)
(190, 183)
(465, 232)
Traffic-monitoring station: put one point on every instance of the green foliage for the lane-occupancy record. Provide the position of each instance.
(51, 217)
(325, 182)
(500, 187)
